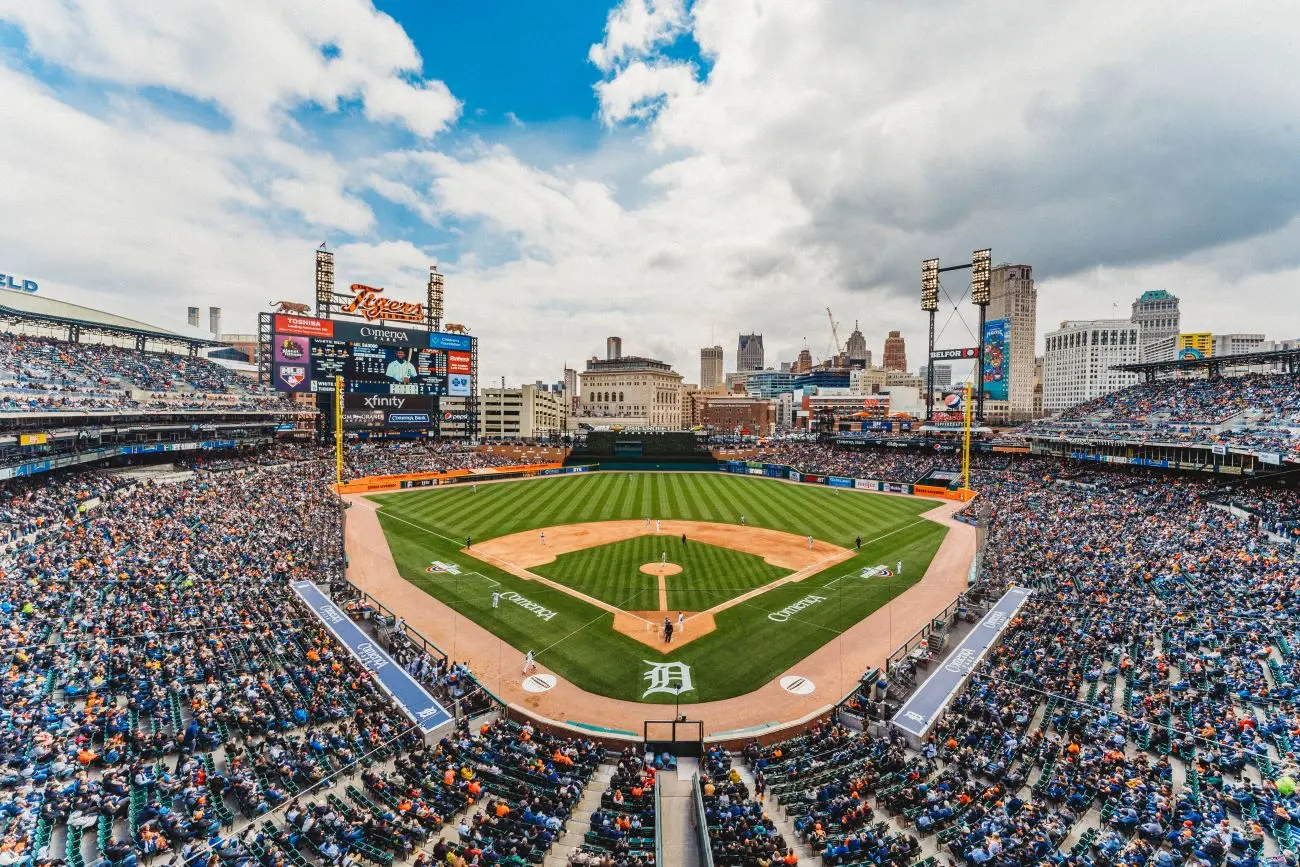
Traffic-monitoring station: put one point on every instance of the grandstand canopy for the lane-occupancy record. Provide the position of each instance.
(1213, 365)
(42, 309)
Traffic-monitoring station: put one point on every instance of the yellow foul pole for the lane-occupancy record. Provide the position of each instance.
(965, 446)
(338, 430)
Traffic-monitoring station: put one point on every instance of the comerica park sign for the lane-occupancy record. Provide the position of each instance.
(9, 281)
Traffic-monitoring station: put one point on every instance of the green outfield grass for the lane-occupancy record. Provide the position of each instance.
(612, 573)
(747, 649)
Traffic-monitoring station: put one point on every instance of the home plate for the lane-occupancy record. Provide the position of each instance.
(541, 682)
(792, 683)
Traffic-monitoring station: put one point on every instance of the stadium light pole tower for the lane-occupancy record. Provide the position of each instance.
(980, 283)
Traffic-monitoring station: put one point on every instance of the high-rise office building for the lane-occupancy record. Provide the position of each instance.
(1014, 298)
(749, 352)
(1081, 359)
(192, 316)
(711, 368)
(1156, 313)
(942, 375)
(803, 363)
(895, 352)
(856, 349)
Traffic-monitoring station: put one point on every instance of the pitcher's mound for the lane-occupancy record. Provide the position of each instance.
(661, 568)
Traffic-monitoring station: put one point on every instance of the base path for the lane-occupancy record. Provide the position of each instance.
(518, 553)
(537, 547)
(834, 668)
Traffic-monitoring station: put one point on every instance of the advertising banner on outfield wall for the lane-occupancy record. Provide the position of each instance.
(866, 484)
(839, 482)
(795, 477)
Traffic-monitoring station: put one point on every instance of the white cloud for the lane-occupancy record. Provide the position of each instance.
(254, 63)
(636, 27)
(811, 156)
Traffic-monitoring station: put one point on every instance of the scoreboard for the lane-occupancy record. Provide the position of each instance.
(394, 377)
(308, 354)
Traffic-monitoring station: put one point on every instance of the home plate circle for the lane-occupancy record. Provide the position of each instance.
(792, 683)
(540, 682)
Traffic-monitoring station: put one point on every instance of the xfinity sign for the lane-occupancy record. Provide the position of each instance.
(9, 281)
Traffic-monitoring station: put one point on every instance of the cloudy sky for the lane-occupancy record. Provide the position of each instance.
(670, 171)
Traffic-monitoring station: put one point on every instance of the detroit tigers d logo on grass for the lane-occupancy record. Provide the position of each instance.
(673, 678)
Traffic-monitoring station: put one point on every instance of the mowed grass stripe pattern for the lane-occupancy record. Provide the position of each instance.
(499, 509)
(748, 648)
(612, 573)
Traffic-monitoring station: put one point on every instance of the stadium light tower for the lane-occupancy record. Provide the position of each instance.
(980, 285)
(930, 304)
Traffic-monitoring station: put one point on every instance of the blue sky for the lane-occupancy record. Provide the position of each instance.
(519, 56)
(673, 171)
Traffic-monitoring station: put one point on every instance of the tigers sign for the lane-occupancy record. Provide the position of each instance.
(368, 303)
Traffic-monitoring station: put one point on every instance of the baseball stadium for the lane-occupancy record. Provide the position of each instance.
(289, 604)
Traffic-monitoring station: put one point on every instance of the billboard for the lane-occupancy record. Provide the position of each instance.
(995, 361)
(383, 411)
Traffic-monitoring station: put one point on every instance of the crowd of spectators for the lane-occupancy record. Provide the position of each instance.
(392, 457)
(623, 826)
(1141, 709)
(41, 374)
(1255, 412)
(884, 464)
(164, 687)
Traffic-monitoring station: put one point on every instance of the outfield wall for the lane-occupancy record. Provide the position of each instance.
(376, 484)
(781, 471)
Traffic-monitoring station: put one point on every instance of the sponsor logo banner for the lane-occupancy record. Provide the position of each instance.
(838, 482)
(996, 358)
(866, 484)
(390, 402)
(291, 349)
(790, 610)
(458, 385)
(421, 707)
(303, 326)
(292, 377)
(949, 354)
(450, 417)
(528, 605)
(458, 362)
(443, 340)
(397, 418)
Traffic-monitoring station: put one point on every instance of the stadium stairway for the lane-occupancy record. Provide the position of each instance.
(776, 813)
(580, 819)
(677, 803)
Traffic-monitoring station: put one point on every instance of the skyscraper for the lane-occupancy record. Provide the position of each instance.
(856, 349)
(803, 363)
(613, 348)
(1013, 297)
(749, 352)
(1156, 312)
(711, 368)
(895, 351)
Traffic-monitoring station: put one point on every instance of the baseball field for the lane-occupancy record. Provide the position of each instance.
(583, 570)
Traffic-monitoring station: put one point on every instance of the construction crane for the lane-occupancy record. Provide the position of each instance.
(835, 334)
